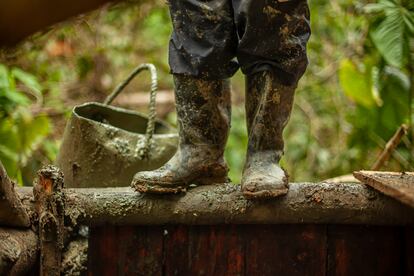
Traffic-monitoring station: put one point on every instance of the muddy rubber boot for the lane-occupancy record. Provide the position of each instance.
(268, 107)
(203, 115)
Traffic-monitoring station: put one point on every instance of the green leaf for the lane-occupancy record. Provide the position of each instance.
(408, 18)
(390, 35)
(28, 80)
(357, 85)
(8, 153)
(4, 77)
(374, 7)
(17, 98)
(388, 38)
(32, 133)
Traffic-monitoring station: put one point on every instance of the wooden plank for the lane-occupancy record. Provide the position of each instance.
(176, 240)
(285, 250)
(103, 251)
(399, 186)
(125, 251)
(251, 250)
(204, 250)
(409, 250)
(361, 250)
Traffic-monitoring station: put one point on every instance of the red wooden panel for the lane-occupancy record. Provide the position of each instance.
(359, 250)
(251, 250)
(285, 250)
(102, 251)
(204, 250)
(409, 251)
(125, 251)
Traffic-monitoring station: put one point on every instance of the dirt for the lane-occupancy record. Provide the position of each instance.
(75, 258)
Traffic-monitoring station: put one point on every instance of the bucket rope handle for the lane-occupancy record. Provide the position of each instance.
(143, 152)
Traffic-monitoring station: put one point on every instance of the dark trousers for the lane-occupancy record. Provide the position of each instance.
(214, 38)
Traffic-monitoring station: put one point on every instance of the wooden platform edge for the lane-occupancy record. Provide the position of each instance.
(306, 203)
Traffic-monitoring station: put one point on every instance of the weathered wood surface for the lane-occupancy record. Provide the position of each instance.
(320, 203)
(399, 186)
(18, 251)
(50, 207)
(137, 251)
(409, 251)
(285, 249)
(362, 250)
(250, 250)
(12, 212)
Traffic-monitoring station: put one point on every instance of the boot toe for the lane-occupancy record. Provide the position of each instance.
(157, 182)
(260, 185)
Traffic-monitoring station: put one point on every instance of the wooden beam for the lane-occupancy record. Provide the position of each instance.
(12, 212)
(312, 203)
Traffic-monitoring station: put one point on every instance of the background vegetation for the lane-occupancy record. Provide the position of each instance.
(356, 93)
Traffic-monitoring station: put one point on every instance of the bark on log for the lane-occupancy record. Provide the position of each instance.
(18, 251)
(321, 203)
(50, 207)
(75, 258)
(12, 212)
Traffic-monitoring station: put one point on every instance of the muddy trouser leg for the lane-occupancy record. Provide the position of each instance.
(202, 49)
(272, 54)
(204, 40)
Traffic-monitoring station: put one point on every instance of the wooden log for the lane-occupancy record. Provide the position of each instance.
(12, 212)
(18, 251)
(306, 203)
(75, 257)
(50, 207)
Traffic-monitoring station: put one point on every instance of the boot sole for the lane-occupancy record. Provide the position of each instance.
(158, 188)
(266, 194)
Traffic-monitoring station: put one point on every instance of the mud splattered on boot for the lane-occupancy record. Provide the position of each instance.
(268, 107)
(203, 114)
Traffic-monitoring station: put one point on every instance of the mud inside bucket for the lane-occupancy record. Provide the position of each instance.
(103, 145)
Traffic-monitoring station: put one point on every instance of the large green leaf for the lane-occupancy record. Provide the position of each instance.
(396, 93)
(390, 35)
(357, 85)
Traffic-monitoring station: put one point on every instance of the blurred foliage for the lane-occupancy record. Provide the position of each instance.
(356, 93)
(20, 130)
